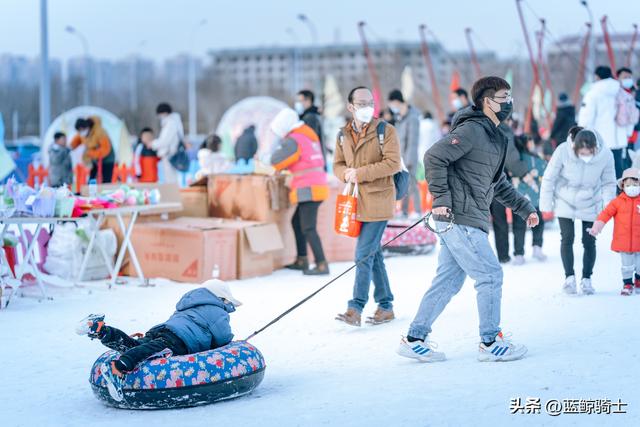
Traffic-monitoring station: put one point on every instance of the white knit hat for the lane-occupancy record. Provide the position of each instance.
(629, 173)
(221, 290)
(285, 121)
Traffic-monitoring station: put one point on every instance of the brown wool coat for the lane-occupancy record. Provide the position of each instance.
(375, 169)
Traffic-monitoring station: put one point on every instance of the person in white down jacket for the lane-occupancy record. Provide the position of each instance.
(598, 112)
(166, 145)
(578, 182)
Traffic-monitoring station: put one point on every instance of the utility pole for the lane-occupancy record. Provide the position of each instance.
(45, 76)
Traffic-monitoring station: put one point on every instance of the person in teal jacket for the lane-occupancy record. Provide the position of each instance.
(528, 186)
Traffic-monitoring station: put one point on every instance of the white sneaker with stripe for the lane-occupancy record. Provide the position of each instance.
(502, 350)
(424, 351)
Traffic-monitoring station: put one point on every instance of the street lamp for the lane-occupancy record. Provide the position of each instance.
(45, 76)
(295, 81)
(133, 78)
(592, 51)
(312, 28)
(192, 101)
(87, 68)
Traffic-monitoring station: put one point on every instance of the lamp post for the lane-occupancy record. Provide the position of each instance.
(192, 101)
(87, 67)
(312, 28)
(45, 76)
(592, 51)
(295, 81)
(133, 78)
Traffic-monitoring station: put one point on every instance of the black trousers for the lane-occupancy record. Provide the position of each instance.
(500, 229)
(567, 236)
(133, 351)
(519, 226)
(304, 222)
(107, 171)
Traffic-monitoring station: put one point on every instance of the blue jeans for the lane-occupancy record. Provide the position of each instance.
(464, 251)
(371, 268)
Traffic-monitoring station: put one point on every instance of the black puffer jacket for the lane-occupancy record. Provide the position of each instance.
(465, 169)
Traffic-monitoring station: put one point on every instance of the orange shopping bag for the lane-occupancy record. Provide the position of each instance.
(346, 209)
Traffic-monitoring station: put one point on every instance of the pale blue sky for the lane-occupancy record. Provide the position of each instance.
(117, 28)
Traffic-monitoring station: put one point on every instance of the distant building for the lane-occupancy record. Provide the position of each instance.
(289, 69)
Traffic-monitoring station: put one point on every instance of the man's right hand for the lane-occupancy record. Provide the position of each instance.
(441, 211)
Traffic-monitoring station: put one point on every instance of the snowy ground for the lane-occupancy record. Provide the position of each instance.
(321, 372)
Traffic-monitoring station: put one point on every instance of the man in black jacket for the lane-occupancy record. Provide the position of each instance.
(465, 170)
(565, 120)
(310, 115)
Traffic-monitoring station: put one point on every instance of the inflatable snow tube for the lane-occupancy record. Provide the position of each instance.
(182, 381)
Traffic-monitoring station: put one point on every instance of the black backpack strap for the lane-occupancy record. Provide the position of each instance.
(380, 132)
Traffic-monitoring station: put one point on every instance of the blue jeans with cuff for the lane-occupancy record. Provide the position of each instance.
(465, 251)
(372, 268)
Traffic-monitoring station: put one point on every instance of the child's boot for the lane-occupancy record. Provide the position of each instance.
(92, 326)
(637, 285)
(627, 289)
(114, 379)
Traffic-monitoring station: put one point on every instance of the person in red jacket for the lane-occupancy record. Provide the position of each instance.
(625, 209)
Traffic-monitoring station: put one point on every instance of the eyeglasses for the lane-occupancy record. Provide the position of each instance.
(503, 99)
(364, 104)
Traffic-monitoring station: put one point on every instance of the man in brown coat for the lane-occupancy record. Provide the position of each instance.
(361, 158)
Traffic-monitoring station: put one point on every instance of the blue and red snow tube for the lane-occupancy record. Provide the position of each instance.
(182, 381)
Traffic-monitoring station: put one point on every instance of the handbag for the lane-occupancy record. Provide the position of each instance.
(346, 223)
(180, 160)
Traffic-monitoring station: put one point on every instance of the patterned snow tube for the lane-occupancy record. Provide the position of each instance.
(182, 381)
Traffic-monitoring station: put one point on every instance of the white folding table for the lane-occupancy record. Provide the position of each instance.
(28, 264)
(97, 217)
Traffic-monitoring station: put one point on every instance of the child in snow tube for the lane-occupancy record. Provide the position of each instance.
(200, 323)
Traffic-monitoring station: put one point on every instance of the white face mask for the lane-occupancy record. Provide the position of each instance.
(632, 190)
(364, 115)
(587, 158)
(394, 110)
(84, 132)
(298, 107)
(456, 103)
(627, 83)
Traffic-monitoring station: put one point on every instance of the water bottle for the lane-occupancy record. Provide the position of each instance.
(216, 271)
(93, 188)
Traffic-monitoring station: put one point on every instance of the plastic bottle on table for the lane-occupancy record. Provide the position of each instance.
(93, 188)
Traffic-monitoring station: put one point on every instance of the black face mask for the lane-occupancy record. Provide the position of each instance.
(505, 111)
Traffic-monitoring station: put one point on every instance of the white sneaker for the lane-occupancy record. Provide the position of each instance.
(569, 286)
(502, 350)
(587, 287)
(423, 351)
(537, 254)
(518, 260)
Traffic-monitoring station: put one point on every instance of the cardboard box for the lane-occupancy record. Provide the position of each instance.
(186, 249)
(256, 243)
(195, 202)
(247, 197)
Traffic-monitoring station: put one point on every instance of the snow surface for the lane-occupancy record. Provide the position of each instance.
(321, 372)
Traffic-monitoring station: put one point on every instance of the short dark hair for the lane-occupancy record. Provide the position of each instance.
(212, 142)
(396, 95)
(308, 95)
(164, 107)
(427, 115)
(623, 70)
(81, 124)
(143, 130)
(603, 72)
(58, 135)
(585, 139)
(487, 87)
(461, 92)
(350, 96)
(573, 131)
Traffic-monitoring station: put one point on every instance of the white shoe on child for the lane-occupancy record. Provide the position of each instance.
(537, 254)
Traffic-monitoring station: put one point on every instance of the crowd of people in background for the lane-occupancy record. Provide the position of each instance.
(568, 171)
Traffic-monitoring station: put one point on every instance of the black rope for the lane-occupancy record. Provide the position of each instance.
(406, 230)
